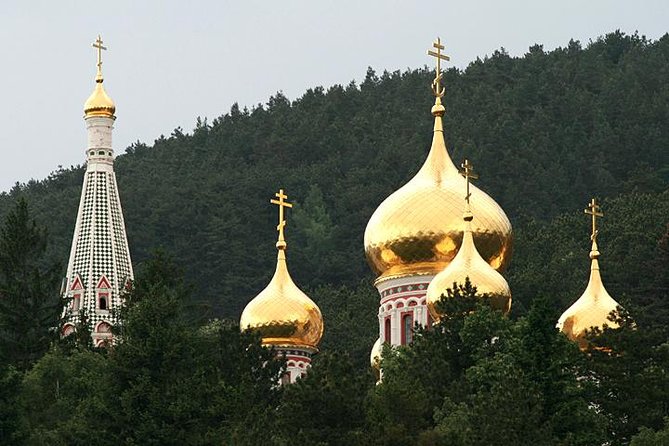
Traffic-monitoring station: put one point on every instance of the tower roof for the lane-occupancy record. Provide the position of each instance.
(417, 229)
(592, 309)
(282, 313)
(469, 263)
(99, 103)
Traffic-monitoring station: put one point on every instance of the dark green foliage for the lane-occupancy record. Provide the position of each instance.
(30, 307)
(326, 407)
(547, 131)
(629, 369)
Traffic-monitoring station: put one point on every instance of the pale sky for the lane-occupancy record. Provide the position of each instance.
(171, 61)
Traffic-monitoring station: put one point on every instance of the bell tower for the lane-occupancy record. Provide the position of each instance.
(99, 267)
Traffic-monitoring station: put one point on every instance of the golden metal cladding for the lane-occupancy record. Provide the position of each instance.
(99, 103)
(417, 229)
(592, 309)
(469, 263)
(375, 355)
(282, 313)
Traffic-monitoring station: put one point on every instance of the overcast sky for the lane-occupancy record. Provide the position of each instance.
(170, 62)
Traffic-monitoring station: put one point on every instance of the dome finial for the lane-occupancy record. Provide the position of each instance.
(595, 211)
(438, 109)
(99, 104)
(281, 242)
(468, 172)
(98, 44)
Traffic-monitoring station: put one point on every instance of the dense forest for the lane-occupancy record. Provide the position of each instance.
(547, 131)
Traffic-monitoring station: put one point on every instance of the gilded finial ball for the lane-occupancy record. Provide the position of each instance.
(438, 109)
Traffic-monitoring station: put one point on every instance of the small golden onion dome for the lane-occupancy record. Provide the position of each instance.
(417, 230)
(592, 309)
(375, 355)
(469, 263)
(282, 313)
(99, 103)
(375, 359)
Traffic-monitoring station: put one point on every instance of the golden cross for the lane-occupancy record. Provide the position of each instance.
(98, 44)
(437, 89)
(468, 172)
(282, 204)
(594, 210)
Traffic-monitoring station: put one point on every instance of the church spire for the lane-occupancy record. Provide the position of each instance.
(99, 268)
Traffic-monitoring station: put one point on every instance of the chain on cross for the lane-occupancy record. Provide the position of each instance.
(595, 211)
(437, 89)
(282, 222)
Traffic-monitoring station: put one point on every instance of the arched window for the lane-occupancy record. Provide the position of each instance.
(407, 321)
(68, 329)
(103, 327)
(387, 331)
(76, 302)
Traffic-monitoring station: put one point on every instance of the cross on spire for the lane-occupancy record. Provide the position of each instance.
(98, 44)
(595, 211)
(468, 172)
(281, 243)
(437, 89)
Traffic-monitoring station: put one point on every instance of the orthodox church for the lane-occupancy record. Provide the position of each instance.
(436, 230)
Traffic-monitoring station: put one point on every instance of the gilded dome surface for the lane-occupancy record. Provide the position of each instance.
(375, 355)
(282, 313)
(469, 263)
(592, 309)
(99, 103)
(417, 229)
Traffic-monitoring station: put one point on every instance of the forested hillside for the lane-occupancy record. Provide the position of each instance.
(546, 131)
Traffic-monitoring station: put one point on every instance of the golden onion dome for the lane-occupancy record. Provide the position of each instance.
(375, 355)
(417, 229)
(592, 309)
(99, 103)
(282, 313)
(375, 359)
(468, 263)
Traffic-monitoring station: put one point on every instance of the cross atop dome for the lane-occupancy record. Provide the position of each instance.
(281, 243)
(595, 211)
(98, 45)
(437, 89)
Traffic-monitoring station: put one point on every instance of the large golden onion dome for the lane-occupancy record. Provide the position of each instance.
(417, 229)
(592, 309)
(468, 263)
(99, 103)
(282, 313)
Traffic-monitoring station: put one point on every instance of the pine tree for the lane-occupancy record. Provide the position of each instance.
(30, 306)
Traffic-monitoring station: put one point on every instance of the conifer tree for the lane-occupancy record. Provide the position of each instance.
(30, 305)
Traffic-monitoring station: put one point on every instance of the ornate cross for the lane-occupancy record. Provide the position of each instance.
(437, 89)
(98, 44)
(595, 211)
(468, 172)
(282, 204)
